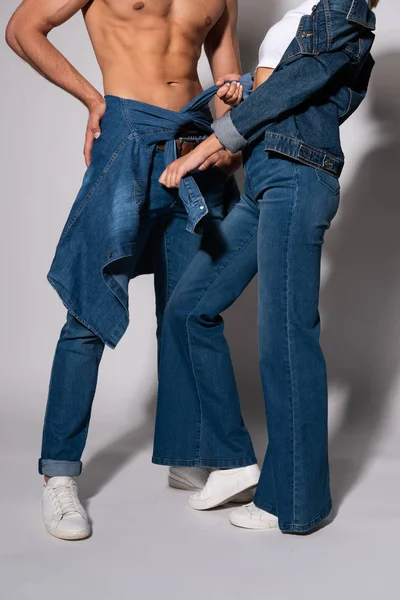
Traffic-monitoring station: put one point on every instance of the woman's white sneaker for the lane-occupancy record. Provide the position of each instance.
(224, 486)
(63, 514)
(193, 479)
(252, 517)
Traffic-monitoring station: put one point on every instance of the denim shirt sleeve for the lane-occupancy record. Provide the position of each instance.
(289, 87)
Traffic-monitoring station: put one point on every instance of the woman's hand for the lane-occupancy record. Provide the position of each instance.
(231, 92)
(226, 161)
(173, 174)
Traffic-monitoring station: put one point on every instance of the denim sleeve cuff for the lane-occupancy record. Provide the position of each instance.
(228, 135)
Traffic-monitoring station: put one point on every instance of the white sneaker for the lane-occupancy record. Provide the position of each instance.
(224, 486)
(63, 514)
(252, 517)
(193, 479)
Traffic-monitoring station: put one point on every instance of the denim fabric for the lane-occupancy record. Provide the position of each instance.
(97, 253)
(321, 80)
(162, 234)
(280, 224)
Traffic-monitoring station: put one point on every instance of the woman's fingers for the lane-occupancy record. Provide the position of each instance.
(232, 93)
(173, 174)
(170, 177)
(239, 95)
(223, 91)
(228, 77)
(232, 90)
(163, 177)
(209, 162)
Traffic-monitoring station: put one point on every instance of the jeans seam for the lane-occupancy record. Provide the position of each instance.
(288, 338)
(249, 239)
(167, 265)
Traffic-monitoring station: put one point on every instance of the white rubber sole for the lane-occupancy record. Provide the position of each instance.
(241, 517)
(181, 484)
(253, 525)
(69, 536)
(241, 498)
(208, 503)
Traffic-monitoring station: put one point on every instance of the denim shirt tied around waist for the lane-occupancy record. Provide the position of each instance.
(92, 267)
(320, 81)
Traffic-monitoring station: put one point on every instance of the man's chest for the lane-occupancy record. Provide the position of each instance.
(192, 13)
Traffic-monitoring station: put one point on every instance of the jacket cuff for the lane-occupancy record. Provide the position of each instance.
(228, 135)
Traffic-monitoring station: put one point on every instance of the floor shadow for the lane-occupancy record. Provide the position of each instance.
(110, 460)
(360, 302)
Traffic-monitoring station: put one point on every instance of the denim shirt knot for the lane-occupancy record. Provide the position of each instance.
(98, 254)
(163, 125)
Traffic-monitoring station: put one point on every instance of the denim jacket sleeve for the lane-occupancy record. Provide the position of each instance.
(299, 79)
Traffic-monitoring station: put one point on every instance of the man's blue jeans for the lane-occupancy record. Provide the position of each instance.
(280, 224)
(163, 221)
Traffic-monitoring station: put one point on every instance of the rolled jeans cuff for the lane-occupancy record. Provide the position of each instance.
(60, 468)
(228, 135)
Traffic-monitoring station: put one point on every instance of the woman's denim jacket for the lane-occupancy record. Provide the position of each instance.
(320, 81)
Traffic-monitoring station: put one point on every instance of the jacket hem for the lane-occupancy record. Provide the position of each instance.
(304, 153)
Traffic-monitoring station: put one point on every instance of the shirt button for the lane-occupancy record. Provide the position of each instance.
(201, 207)
(110, 254)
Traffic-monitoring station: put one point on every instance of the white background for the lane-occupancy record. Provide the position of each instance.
(147, 544)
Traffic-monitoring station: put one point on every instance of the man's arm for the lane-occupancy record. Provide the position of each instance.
(27, 33)
(222, 49)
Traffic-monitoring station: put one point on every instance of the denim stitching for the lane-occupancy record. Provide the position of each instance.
(55, 286)
(328, 23)
(295, 527)
(135, 134)
(339, 162)
(94, 187)
(349, 103)
(333, 190)
(288, 336)
(137, 183)
(334, 157)
(125, 114)
(190, 315)
(352, 17)
(167, 271)
(315, 40)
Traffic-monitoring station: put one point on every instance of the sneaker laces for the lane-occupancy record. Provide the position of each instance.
(66, 500)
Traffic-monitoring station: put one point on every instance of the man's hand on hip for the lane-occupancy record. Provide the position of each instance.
(96, 113)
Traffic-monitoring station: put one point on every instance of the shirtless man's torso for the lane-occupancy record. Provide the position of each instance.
(147, 50)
